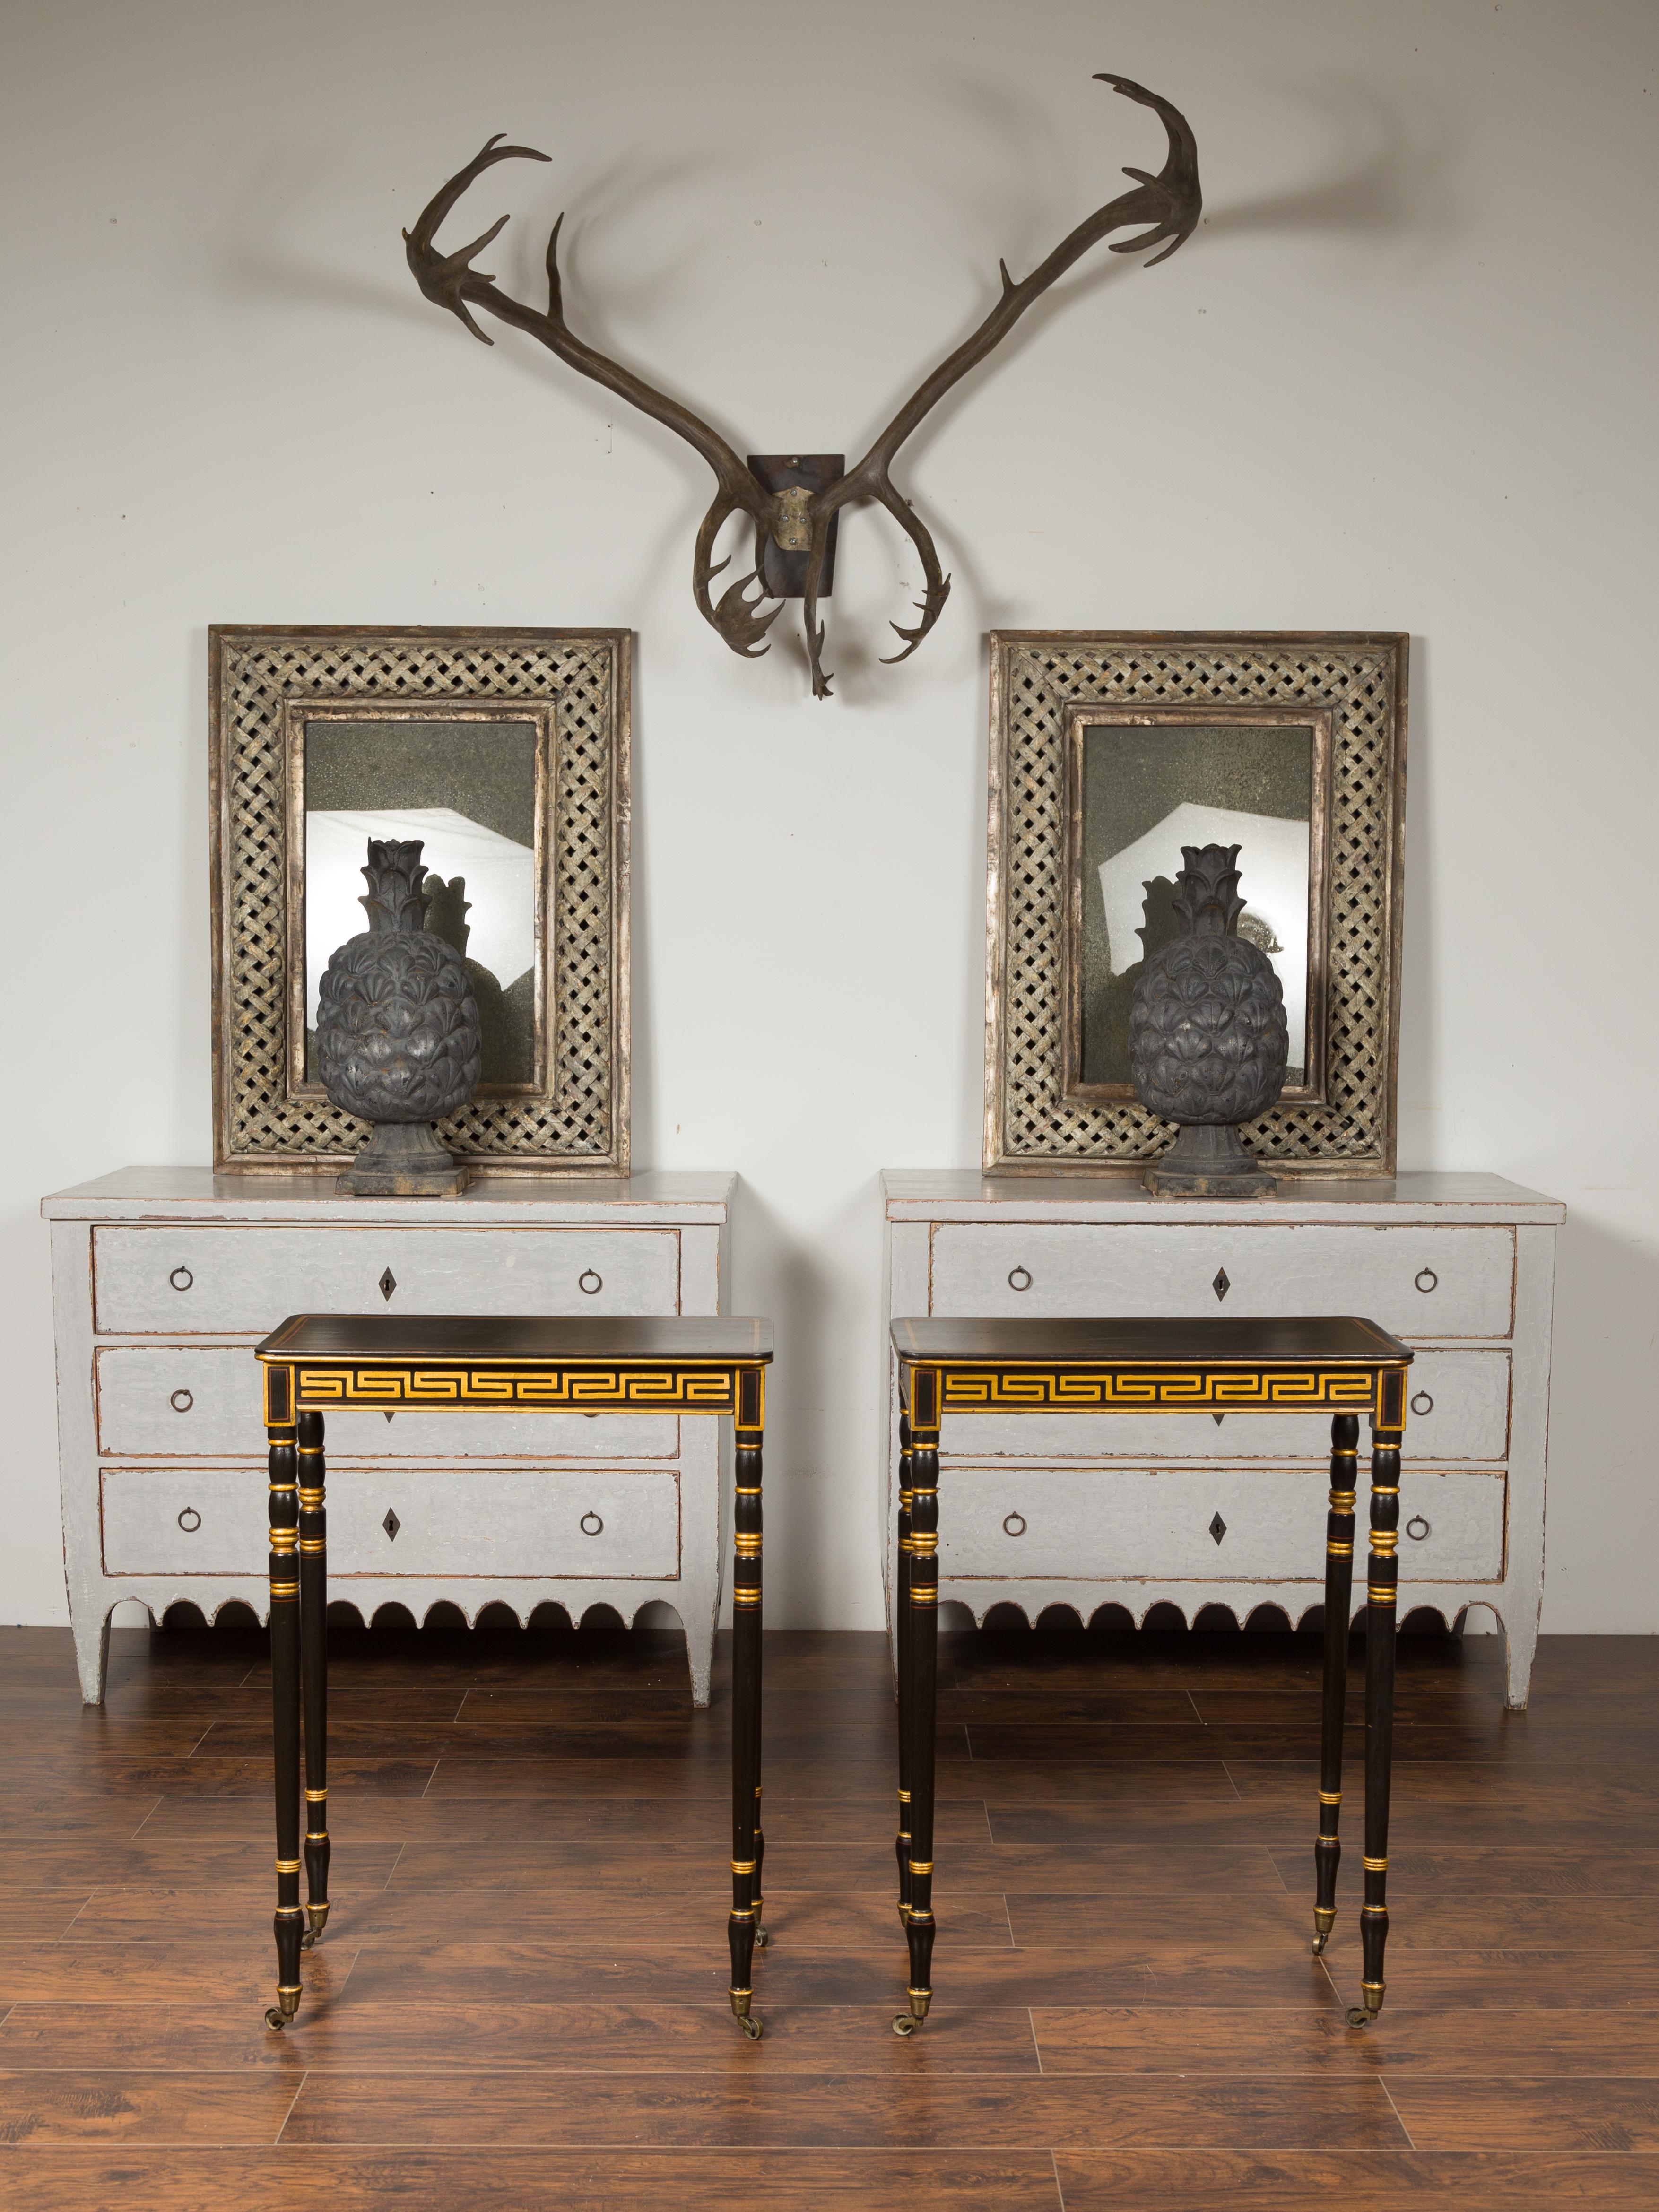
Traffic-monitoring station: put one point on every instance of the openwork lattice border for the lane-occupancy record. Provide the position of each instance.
(579, 1121)
(1035, 676)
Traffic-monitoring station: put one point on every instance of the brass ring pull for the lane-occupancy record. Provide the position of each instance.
(598, 1526)
(181, 1401)
(190, 1520)
(1422, 1403)
(1427, 1280)
(1019, 1278)
(1417, 1527)
(589, 1282)
(1009, 1528)
(181, 1273)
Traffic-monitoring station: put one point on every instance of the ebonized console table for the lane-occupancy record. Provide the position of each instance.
(1331, 1364)
(316, 1364)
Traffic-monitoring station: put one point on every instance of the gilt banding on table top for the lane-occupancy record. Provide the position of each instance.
(530, 1364)
(1142, 1364)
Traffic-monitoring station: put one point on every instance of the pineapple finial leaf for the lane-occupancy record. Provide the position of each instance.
(1208, 886)
(394, 900)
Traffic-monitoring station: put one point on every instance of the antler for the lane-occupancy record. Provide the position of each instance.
(1168, 203)
(451, 281)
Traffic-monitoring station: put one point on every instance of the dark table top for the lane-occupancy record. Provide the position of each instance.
(1139, 1339)
(506, 1339)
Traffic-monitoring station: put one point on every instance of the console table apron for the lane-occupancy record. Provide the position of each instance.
(313, 1362)
(1339, 1366)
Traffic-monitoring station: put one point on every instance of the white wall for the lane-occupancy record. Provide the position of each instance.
(1401, 378)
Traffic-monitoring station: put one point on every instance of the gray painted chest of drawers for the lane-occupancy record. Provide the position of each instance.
(164, 1277)
(1043, 1509)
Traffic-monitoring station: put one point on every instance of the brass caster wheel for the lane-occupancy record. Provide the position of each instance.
(308, 1940)
(1319, 1942)
(274, 2019)
(905, 2025)
(1358, 2016)
(762, 1938)
(752, 2026)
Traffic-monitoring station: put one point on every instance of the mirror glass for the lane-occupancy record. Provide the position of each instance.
(1147, 791)
(469, 791)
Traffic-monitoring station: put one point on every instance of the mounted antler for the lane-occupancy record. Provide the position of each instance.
(1169, 204)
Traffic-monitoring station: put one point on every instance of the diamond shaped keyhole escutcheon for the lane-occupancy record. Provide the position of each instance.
(388, 1283)
(390, 1524)
(1217, 1529)
(1220, 1286)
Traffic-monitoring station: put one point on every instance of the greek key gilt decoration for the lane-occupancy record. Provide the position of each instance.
(1165, 208)
(1083, 1391)
(590, 1390)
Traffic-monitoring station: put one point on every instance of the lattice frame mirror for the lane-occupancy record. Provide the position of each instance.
(1206, 710)
(507, 752)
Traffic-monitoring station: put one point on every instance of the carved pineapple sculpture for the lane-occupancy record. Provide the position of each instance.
(398, 1036)
(1208, 1041)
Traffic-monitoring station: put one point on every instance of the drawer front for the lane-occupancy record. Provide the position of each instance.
(185, 1401)
(1064, 1525)
(1418, 1283)
(190, 1281)
(1459, 1409)
(558, 1524)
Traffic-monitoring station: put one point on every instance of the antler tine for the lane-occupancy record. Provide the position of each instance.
(734, 615)
(812, 629)
(443, 277)
(1177, 180)
(937, 585)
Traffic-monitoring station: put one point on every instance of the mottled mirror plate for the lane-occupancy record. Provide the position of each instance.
(1141, 784)
(474, 785)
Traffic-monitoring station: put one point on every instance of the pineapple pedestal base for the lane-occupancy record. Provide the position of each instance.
(1208, 1160)
(404, 1160)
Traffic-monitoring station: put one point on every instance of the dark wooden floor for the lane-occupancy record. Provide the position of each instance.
(522, 2002)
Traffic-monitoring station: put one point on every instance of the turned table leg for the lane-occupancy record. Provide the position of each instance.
(1339, 1596)
(313, 1666)
(290, 1920)
(917, 1724)
(746, 1701)
(901, 1638)
(1384, 1577)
